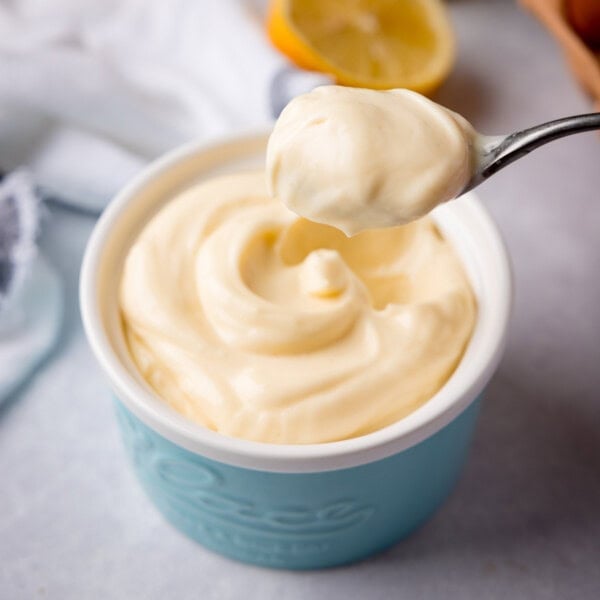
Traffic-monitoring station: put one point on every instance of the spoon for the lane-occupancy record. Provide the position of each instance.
(496, 152)
(361, 159)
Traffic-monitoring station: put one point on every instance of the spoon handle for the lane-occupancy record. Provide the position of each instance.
(503, 151)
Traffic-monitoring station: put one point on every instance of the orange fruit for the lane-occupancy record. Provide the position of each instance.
(378, 44)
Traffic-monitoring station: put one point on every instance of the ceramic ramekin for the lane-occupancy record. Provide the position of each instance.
(290, 506)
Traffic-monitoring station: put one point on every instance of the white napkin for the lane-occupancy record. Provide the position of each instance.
(91, 90)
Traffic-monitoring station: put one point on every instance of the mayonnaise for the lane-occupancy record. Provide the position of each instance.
(362, 159)
(261, 325)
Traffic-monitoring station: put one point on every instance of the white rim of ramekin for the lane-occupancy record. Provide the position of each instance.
(454, 397)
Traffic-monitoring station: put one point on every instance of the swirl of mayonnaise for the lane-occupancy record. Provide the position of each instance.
(265, 326)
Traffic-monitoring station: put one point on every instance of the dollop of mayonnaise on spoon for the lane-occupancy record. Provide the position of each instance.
(362, 159)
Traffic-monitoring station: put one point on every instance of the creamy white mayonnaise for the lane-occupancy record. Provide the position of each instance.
(363, 159)
(259, 324)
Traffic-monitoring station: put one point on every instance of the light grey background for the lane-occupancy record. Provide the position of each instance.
(524, 521)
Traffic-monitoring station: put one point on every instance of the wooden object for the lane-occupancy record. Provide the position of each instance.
(583, 61)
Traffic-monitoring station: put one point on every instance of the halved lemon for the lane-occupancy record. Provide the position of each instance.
(367, 43)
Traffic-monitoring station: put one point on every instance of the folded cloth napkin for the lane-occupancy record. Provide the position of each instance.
(91, 90)
(30, 292)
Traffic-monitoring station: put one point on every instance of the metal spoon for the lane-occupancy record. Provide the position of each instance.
(496, 152)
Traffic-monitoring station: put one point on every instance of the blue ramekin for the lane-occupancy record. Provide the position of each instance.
(290, 506)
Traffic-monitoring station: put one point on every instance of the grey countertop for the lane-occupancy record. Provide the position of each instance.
(524, 522)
